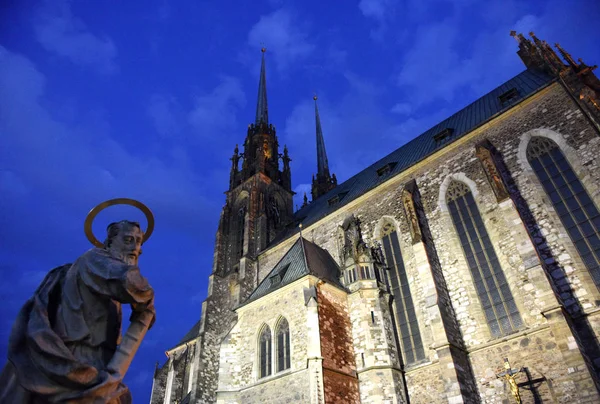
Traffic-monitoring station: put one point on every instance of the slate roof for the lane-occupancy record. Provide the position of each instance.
(464, 121)
(301, 259)
(190, 335)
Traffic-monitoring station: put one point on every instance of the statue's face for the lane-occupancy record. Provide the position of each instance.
(127, 245)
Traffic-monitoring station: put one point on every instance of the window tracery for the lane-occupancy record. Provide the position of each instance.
(264, 352)
(283, 345)
(500, 309)
(407, 324)
(575, 208)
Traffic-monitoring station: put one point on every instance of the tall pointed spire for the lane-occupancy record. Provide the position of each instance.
(322, 164)
(323, 182)
(262, 110)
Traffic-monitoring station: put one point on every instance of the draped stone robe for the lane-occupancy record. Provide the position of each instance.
(66, 334)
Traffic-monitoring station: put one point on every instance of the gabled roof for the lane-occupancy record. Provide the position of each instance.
(190, 335)
(464, 121)
(303, 258)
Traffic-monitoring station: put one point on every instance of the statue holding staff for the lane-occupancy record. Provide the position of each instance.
(66, 345)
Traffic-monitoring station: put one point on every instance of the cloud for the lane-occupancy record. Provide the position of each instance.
(218, 109)
(44, 154)
(376, 9)
(61, 33)
(402, 108)
(381, 12)
(357, 129)
(284, 35)
(164, 111)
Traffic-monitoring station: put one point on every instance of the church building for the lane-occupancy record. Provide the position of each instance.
(463, 267)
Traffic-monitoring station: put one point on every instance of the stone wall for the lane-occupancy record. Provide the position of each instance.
(558, 348)
(238, 368)
(537, 284)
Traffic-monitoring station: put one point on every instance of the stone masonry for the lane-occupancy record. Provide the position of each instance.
(344, 337)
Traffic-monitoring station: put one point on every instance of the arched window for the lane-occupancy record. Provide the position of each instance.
(494, 294)
(241, 227)
(283, 345)
(408, 327)
(264, 352)
(573, 204)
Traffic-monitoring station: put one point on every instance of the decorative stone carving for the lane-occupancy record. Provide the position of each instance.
(66, 344)
(353, 246)
(484, 152)
(411, 212)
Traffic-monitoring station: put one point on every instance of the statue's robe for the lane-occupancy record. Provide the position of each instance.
(66, 334)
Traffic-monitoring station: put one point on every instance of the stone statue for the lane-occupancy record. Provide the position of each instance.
(411, 213)
(484, 154)
(66, 344)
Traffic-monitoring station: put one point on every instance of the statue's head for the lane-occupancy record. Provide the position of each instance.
(124, 241)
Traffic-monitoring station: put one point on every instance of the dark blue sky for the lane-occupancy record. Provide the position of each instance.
(118, 99)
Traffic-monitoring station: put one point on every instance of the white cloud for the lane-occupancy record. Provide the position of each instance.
(60, 32)
(282, 34)
(164, 112)
(402, 108)
(218, 109)
(376, 9)
(54, 158)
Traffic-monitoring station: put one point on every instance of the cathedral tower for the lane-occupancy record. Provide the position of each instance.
(323, 182)
(259, 198)
(258, 206)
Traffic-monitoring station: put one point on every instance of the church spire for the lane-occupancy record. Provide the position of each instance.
(322, 164)
(323, 182)
(262, 110)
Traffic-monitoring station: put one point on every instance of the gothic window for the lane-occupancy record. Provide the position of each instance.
(351, 275)
(264, 352)
(241, 227)
(571, 201)
(283, 345)
(408, 327)
(500, 310)
(275, 213)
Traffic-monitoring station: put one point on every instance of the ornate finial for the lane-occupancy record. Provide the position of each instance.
(513, 33)
(531, 34)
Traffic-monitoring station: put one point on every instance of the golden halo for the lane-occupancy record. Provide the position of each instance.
(87, 226)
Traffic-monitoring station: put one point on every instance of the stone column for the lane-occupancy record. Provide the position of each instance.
(170, 376)
(315, 359)
(377, 357)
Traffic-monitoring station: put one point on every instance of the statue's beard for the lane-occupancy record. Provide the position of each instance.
(128, 258)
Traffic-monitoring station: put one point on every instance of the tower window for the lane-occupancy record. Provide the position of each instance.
(264, 352)
(241, 228)
(283, 345)
(494, 294)
(407, 324)
(576, 210)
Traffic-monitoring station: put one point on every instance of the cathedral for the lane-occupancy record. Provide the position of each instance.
(463, 267)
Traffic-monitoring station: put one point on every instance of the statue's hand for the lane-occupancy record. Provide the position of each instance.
(139, 309)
